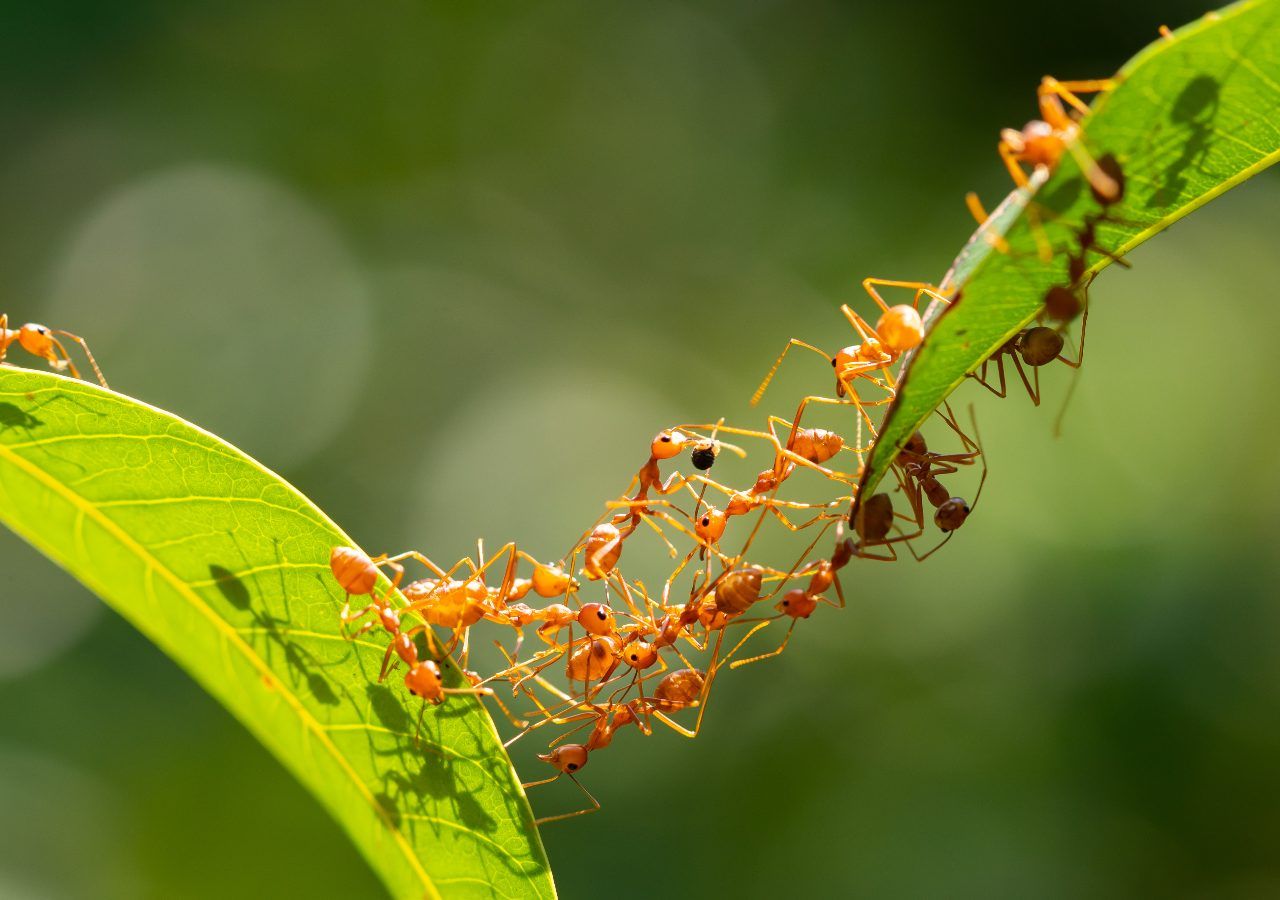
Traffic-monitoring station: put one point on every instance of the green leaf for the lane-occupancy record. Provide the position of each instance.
(1191, 118)
(225, 567)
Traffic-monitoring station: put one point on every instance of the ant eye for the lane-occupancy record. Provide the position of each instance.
(572, 766)
(786, 602)
(601, 614)
(833, 362)
(412, 692)
(666, 439)
(706, 520)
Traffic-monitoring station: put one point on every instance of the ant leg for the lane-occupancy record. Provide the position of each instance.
(941, 544)
(594, 807)
(868, 285)
(739, 663)
(755, 398)
(852, 398)
(1075, 376)
(764, 623)
(533, 784)
(517, 723)
(1067, 90)
(1012, 158)
(981, 376)
(1100, 181)
(87, 352)
(346, 618)
(386, 660)
(979, 213)
(413, 554)
(843, 477)
(1032, 392)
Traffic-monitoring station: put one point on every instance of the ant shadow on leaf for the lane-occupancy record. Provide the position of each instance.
(301, 662)
(26, 421)
(1194, 112)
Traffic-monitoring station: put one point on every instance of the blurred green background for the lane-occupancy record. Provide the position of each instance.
(447, 267)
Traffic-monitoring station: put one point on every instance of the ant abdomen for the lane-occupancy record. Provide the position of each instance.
(1040, 346)
(738, 590)
(951, 514)
(874, 518)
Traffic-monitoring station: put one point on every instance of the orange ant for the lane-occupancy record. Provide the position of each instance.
(358, 573)
(800, 603)
(805, 447)
(43, 342)
(1041, 142)
(899, 330)
(570, 759)
(424, 680)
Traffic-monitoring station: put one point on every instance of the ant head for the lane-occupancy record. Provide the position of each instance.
(900, 328)
(1040, 346)
(597, 618)
(1061, 304)
(424, 681)
(667, 444)
(568, 759)
(845, 356)
(951, 514)
(710, 525)
(798, 604)
(639, 655)
(37, 340)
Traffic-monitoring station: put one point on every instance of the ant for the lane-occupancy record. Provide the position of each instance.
(800, 603)
(1063, 304)
(920, 468)
(1041, 142)
(358, 573)
(1036, 347)
(899, 330)
(571, 758)
(38, 340)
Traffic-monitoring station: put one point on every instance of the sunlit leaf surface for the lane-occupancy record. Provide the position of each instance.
(225, 567)
(1192, 116)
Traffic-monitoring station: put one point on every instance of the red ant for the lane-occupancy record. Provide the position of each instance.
(899, 330)
(800, 603)
(358, 574)
(1041, 142)
(41, 341)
